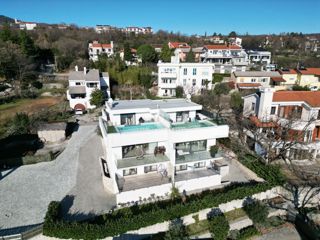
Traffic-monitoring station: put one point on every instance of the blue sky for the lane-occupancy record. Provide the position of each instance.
(189, 17)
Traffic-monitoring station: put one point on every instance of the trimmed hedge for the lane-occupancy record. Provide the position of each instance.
(247, 233)
(132, 218)
(219, 227)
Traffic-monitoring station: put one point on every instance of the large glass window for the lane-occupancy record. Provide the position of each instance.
(151, 168)
(138, 150)
(185, 71)
(130, 171)
(182, 116)
(187, 148)
(128, 119)
(181, 168)
(92, 85)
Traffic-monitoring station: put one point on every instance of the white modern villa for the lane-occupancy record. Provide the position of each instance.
(82, 84)
(95, 49)
(193, 77)
(153, 145)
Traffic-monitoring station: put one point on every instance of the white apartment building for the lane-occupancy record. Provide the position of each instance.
(299, 109)
(82, 84)
(26, 25)
(153, 145)
(95, 49)
(193, 77)
(258, 79)
(259, 57)
(224, 55)
(139, 30)
(104, 28)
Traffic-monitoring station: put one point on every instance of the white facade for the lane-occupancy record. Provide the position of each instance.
(138, 30)
(26, 25)
(262, 57)
(82, 84)
(156, 144)
(193, 77)
(95, 49)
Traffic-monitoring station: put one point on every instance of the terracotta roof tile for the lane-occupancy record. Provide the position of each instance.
(278, 79)
(260, 124)
(249, 85)
(101, 45)
(222, 47)
(310, 97)
(290, 71)
(310, 71)
(179, 45)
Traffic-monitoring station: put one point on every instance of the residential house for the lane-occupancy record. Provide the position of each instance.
(225, 56)
(153, 145)
(215, 39)
(193, 77)
(95, 49)
(290, 75)
(235, 41)
(300, 110)
(257, 79)
(104, 28)
(309, 77)
(259, 57)
(82, 84)
(26, 25)
(180, 48)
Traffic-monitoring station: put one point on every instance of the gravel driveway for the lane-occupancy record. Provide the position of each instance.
(26, 192)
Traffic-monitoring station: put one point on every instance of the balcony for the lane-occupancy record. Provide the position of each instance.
(194, 157)
(193, 124)
(138, 161)
(168, 74)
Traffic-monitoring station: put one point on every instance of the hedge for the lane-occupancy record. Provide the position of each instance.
(219, 227)
(247, 233)
(132, 218)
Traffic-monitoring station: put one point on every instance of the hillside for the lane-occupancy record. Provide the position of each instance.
(5, 19)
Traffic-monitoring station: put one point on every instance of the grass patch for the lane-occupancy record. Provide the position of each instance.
(235, 214)
(198, 227)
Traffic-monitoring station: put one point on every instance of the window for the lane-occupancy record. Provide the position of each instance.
(182, 116)
(130, 171)
(184, 82)
(253, 80)
(151, 168)
(194, 71)
(78, 83)
(200, 165)
(138, 150)
(273, 110)
(253, 105)
(92, 85)
(128, 119)
(264, 80)
(185, 71)
(194, 82)
(204, 82)
(181, 168)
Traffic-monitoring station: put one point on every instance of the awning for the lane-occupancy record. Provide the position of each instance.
(77, 90)
(249, 85)
(79, 106)
(278, 79)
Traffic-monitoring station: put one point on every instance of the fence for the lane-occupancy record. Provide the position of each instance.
(27, 234)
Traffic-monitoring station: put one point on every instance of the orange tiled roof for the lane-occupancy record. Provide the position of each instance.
(290, 71)
(179, 44)
(310, 71)
(217, 47)
(249, 85)
(310, 97)
(260, 124)
(278, 79)
(101, 45)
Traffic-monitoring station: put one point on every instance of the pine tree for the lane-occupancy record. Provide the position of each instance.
(166, 53)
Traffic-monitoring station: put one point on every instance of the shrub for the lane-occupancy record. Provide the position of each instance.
(256, 211)
(214, 150)
(247, 233)
(219, 227)
(177, 231)
(179, 92)
(97, 98)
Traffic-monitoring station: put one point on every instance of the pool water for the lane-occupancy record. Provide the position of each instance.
(140, 127)
(194, 124)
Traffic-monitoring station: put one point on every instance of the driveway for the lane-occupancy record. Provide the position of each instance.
(26, 192)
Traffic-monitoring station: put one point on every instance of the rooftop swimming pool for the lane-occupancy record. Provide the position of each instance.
(194, 124)
(140, 127)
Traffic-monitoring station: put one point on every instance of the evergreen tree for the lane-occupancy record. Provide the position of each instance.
(177, 231)
(127, 52)
(147, 53)
(166, 53)
(190, 56)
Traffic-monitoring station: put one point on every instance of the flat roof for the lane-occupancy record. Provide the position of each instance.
(256, 74)
(154, 104)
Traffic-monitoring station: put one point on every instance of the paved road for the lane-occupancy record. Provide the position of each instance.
(88, 197)
(26, 192)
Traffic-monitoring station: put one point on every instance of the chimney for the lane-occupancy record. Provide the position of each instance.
(76, 68)
(111, 43)
(265, 104)
(84, 70)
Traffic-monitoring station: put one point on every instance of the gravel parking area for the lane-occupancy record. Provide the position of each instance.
(26, 191)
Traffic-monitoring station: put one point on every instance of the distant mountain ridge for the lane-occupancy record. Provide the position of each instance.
(5, 19)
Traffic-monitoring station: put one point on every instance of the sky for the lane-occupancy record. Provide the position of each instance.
(187, 17)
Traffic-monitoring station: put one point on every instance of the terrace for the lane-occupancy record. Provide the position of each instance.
(195, 156)
(192, 124)
(195, 174)
(144, 160)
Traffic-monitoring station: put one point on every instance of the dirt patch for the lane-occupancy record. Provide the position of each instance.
(29, 106)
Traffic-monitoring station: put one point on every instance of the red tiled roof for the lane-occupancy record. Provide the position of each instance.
(179, 45)
(278, 79)
(222, 47)
(260, 124)
(310, 97)
(101, 45)
(290, 71)
(310, 71)
(249, 85)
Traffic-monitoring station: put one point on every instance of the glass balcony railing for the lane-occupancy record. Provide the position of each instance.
(194, 156)
(141, 160)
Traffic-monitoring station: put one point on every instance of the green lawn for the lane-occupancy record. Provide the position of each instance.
(235, 214)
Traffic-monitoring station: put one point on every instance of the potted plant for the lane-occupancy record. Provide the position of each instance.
(214, 150)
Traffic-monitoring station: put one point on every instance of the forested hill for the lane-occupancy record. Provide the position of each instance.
(5, 19)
